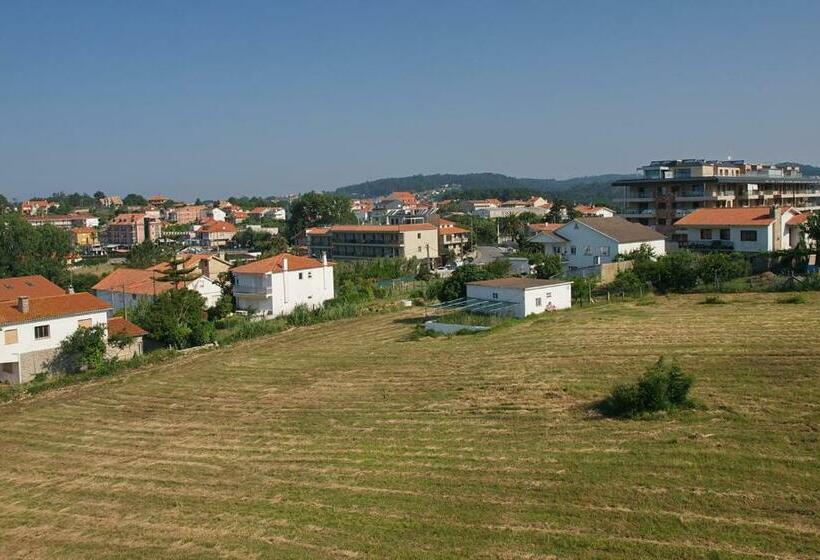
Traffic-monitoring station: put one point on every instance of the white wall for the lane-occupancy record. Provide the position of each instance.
(206, 287)
(278, 294)
(765, 237)
(559, 295)
(590, 244)
(60, 329)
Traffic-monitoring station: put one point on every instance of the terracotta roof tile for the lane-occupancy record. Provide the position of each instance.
(758, 216)
(275, 264)
(118, 325)
(31, 286)
(133, 281)
(213, 226)
(52, 306)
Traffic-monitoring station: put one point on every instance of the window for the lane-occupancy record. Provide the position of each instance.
(596, 260)
(42, 331)
(725, 234)
(748, 235)
(605, 250)
(84, 323)
(495, 295)
(418, 236)
(301, 275)
(706, 234)
(310, 274)
(572, 250)
(538, 302)
(11, 336)
(588, 251)
(419, 249)
(8, 367)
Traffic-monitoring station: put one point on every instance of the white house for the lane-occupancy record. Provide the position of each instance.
(124, 287)
(275, 286)
(594, 241)
(217, 214)
(745, 230)
(526, 295)
(594, 211)
(33, 325)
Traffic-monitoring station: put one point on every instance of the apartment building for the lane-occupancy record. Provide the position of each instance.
(745, 230)
(132, 229)
(670, 189)
(187, 214)
(374, 241)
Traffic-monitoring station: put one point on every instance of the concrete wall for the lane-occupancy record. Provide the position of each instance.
(449, 328)
(416, 244)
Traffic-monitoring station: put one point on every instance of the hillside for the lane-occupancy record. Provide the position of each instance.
(349, 440)
(596, 187)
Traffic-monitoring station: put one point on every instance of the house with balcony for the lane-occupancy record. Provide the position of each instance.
(452, 239)
(744, 230)
(668, 190)
(212, 233)
(275, 286)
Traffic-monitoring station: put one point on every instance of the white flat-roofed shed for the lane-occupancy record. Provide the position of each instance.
(527, 295)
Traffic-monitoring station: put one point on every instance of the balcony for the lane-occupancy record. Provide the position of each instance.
(252, 291)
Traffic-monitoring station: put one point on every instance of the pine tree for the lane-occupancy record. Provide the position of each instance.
(177, 273)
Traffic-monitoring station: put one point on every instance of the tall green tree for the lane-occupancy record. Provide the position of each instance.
(25, 249)
(149, 253)
(177, 273)
(811, 228)
(176, 318)
(319, 209)
(133, 199)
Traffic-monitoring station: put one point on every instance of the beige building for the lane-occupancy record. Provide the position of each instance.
(372, 241)
(132, 229)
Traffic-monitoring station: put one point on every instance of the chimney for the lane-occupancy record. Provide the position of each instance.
(284, 264)
(324, 258)
(22, 304)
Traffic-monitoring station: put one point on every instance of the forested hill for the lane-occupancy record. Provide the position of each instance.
(592, 188)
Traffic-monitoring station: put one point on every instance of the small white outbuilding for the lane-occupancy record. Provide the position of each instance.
(529, 295)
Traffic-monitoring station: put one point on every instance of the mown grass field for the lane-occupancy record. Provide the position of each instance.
(348, 440)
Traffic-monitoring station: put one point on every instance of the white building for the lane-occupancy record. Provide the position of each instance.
(275, 286)
(32, 325)
(125, 287)
(595, 211)
(595, 241)
(528, 295)
(745, 230)
(217, 214)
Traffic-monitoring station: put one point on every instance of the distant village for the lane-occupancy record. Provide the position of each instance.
(267, 258)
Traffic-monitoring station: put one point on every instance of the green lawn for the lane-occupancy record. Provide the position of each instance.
(349, 439)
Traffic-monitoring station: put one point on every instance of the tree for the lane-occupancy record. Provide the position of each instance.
(177, 273)
(719, 267)
(26, 250)
(262, 241)
(319, 209)
(149, 253)
(99, 194)
(455, 286)
(83, 349)
(176, 318)
(133, 199)
(548, 266)
(676, 272)
(4, 204)
(811, 229)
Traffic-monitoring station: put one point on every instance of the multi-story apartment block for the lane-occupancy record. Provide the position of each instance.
(373, 241)
(186, 214)
(132, 229)
(669, 190)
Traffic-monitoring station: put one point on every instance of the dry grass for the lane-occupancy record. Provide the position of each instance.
(347, 440)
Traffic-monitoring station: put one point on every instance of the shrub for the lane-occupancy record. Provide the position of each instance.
(792, 299)
(720, 267)
(627, 282)
(84, 349)
(676, 272)
(713, 300)
(664, 387)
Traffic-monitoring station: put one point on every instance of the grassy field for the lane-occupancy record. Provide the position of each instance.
(349, 440)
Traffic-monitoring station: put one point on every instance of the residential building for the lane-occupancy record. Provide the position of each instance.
(209, 265)
(594, 211)
(64, 221)
(406, 198)
(525, 296)
(217, 214)
(745, 230)
(237, 215)
(472, 206)
(125, 287)
(157, 200)
(514, 209)
(36, 206)
(35, 317)
(84, 236)
(538, 227)
(670, 189)
(595, 241)
(270, 212)
(186, 214)
(277, 285)
(215, 234)
(375, 241)
(132, 229)
(452, 239)
(110, 201)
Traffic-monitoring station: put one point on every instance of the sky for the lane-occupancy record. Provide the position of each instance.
(210, 99)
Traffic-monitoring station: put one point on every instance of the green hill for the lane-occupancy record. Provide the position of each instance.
(595, 187)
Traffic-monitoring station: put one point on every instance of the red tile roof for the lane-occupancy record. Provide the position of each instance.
(798, 219)
(52, 306)
(31, 286)
(130, 218)
(544, 227)
(275, 264)
(118, 325)
(449, 230)
(133, 281)
(759, 216)
(213, 226)
(384, 229)
(317, 231)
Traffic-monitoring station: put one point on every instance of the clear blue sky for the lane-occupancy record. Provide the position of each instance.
(208, 98)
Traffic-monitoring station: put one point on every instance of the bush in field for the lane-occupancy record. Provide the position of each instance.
(720, 267)
(84, 349)
(627, 282)
(176, 318)
(454, 286)
(676, 272)
(664, 387)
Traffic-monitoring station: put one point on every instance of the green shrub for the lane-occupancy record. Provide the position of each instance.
(664, 387)
(713, 300)
(84, 349)
(627, 282)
